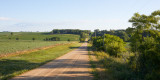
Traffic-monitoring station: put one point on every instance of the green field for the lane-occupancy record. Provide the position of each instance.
(36, 35)
(25, 41)
(15, 65)
(13, 46)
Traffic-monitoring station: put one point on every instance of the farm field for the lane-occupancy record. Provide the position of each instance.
(15, 65)
(37, 35)
(13, 46)
(9, 44)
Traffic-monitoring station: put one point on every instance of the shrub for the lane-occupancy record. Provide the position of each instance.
(33, 39)
(82, 39)
(17, 38)
(110, 44)
(69, 40)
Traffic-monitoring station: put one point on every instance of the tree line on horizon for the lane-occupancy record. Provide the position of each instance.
(69, 31)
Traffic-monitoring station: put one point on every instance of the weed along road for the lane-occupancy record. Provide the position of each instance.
(71, 66)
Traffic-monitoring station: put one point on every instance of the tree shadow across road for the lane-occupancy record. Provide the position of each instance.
(8, 67)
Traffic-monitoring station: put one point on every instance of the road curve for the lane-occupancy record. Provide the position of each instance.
(71, 66)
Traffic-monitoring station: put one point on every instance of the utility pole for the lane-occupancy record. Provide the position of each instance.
(103, 38)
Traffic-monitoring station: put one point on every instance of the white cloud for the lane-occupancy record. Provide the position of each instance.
(5, 19)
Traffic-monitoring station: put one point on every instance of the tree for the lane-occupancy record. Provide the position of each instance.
(33, 39)
(17, 38)
(11, 33)
(112, 44)
(145, 40)
(69, 40)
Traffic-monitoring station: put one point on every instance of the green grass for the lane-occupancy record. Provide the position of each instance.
(36, 35)
(93, 63)
(13, 46)
(15, 65)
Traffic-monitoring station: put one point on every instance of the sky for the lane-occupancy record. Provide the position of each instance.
(46, 15)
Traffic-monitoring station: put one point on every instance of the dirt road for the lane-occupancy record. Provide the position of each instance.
(71, 66)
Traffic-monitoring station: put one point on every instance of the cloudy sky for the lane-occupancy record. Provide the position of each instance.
(45, 15)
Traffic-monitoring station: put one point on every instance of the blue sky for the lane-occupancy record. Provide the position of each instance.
(45, 15)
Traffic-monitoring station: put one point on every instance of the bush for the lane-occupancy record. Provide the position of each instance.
(110, 44)
(82, 39)
(17, 38)
(148, 57)
(69, 40)
(33, 39)
(52, 39)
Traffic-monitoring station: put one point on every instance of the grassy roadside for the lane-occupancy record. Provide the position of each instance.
(15, 65)
(93, 61)
(106, 67)
(98, 70)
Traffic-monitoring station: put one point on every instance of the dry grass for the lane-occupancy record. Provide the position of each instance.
(97, 69)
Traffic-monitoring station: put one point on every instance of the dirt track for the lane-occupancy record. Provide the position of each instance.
(71, 66)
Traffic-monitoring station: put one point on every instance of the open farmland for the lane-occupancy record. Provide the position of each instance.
(13, 46)
(37, 35)
(9, 44)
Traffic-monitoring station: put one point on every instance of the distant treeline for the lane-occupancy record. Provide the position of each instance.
(120, 33)
(69, 31)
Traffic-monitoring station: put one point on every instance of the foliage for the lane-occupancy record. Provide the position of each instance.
(69, 31)
(82, 39)
(69, 40)
(145, 42)
(33, 39)
(17, 38)
(11, 33)
(110, 44)
(106, 67)
(52, 39)
(83, 36)
(120, 33)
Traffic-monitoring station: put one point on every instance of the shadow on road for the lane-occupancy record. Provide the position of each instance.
(8, 67)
